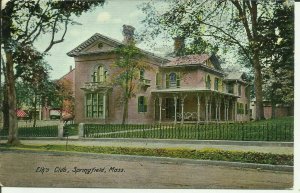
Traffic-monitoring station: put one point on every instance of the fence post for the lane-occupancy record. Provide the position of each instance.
(81, 130)
(61, 130)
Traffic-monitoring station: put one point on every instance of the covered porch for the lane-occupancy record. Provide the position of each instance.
(194, 106)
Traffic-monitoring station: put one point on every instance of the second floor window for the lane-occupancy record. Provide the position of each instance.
(99, 75)
(158, 79)
(240, 89)
(172, 80)
(208, 82)
(142, 74)
(229, 88)
(216, 84)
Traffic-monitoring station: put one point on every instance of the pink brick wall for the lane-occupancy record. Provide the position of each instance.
(85, 66)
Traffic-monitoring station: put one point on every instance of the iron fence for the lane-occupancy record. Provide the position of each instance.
(240, 132)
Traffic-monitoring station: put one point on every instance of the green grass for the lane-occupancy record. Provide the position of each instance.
(202, 154)
(266, 130)
(41, 131)
(72, 129)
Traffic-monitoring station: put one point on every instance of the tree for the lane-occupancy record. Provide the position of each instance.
(64, 96)
(278, 57)
(230, 23)
(22, 23)
(128, 64)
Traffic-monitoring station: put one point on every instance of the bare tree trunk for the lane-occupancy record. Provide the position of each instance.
(5, 109)
(125, 111)
(11, 92)
(258, 86)
(34, 110)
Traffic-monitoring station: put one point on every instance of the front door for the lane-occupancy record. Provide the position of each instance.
(169, 108)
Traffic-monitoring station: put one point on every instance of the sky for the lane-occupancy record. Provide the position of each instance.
(107, 20)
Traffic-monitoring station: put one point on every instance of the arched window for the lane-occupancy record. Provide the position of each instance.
(100, 74)
(208, 82)
(173, 80)
(216, 83)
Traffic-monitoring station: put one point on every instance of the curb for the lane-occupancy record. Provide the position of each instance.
(284, 168)
(170, 141)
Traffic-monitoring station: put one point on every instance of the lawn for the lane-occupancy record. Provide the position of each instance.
(202, 154)
(266, 130)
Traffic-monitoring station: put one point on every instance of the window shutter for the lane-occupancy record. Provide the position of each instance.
(139, 104)
(178, 79)
(145, 104)
(167, 80)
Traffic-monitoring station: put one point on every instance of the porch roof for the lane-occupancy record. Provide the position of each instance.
(191, 90)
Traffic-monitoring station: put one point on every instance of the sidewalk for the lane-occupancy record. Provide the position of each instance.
(264, 147)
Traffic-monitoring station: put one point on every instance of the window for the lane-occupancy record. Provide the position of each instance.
(240, 89)
(99, 75)
(158, 79)
(94, 105)
(216, 84)
(142, 105)
(172, 80)
(142, 74)
(229, 88)
(240, 108)
(208, 82)
(246, 109)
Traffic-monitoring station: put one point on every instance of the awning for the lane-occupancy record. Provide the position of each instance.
(21, 113)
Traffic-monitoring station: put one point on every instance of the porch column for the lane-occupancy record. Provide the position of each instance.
(160, 103)
(206, 109)
(210, 111)
(235, 111)
(225, 110)
(104, 106)
(198, 108)
(175, 108)
(217, 107)
(182, 110)
(219, 110)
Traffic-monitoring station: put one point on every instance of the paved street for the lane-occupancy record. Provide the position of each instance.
(76, 170)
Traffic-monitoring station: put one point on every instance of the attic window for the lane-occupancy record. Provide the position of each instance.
(100, 45)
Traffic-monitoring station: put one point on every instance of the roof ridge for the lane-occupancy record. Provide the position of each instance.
(94, 37)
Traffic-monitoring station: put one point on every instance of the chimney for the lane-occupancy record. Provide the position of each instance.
(179, 45)
(128, 33)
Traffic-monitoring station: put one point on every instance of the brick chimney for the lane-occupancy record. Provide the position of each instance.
(179, 45)
(128, 33)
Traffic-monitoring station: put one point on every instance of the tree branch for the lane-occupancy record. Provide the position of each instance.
(53, 42)
(242, 15)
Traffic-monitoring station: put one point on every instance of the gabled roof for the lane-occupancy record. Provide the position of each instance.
(188, 59)
(195, 60)
(240, 76)
(79, 50)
